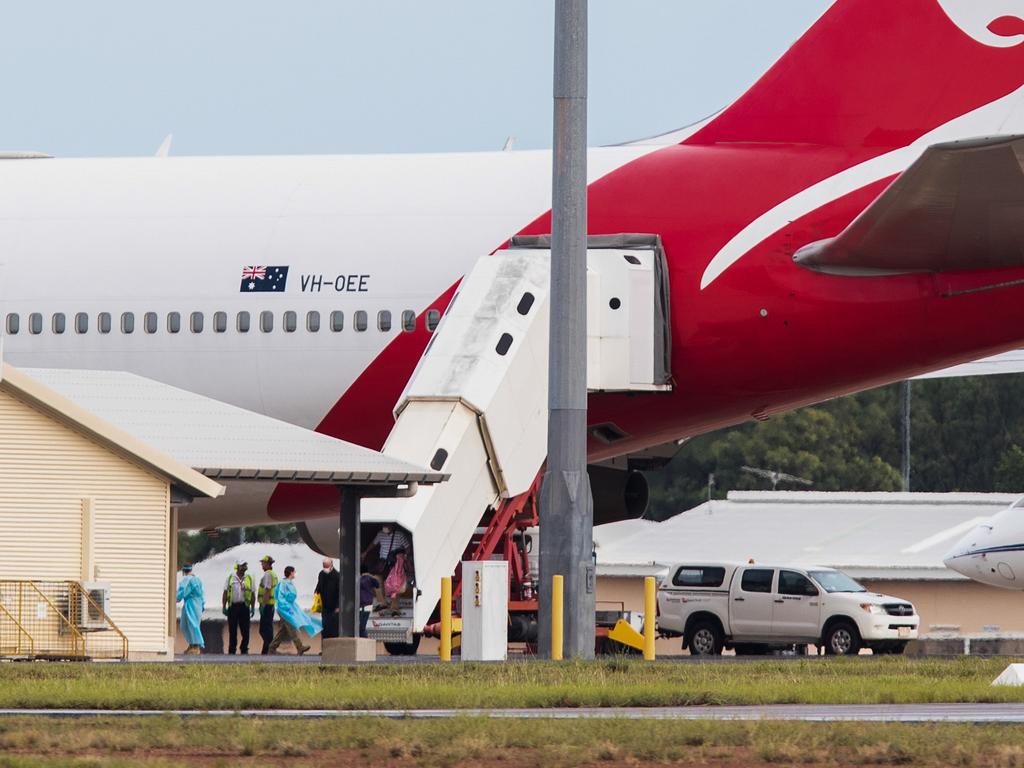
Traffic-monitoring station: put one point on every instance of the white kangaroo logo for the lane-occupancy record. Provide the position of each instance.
(978, 19)
(990, 22)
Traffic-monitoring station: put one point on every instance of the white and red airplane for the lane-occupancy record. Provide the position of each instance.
(856, 218)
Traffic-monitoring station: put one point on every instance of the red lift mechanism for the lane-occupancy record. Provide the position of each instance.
(504, 534)
(502, 527)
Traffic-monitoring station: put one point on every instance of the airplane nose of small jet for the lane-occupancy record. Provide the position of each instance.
(950, 560)
(988, 553)
(960, 557)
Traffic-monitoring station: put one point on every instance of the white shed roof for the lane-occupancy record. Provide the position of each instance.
(868, 535)
(24, 387)
(222, 441)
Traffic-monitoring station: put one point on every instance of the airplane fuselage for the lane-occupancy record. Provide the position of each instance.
(91, 249)
(152, 237)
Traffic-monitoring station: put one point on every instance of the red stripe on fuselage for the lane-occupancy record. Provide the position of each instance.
(822, 336)
(766, 335)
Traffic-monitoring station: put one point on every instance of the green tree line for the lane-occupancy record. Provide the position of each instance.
(967, 434)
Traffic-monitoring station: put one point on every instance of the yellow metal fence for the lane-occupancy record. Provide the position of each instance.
(56, 620)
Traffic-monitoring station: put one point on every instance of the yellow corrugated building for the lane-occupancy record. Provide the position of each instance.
(81, 500)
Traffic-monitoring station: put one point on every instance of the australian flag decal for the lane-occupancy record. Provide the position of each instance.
(264, 279)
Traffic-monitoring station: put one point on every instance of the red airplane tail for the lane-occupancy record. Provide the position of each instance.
(882, 73)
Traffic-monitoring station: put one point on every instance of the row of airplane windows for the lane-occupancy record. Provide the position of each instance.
(197, 322)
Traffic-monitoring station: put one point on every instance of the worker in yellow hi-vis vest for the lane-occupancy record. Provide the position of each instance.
(266, 599)
(239, 602)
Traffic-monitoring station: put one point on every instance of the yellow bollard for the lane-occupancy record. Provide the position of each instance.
(446, 618)
(557, 617)
(650, 612)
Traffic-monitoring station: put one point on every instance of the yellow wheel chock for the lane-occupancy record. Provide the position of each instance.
(624, 633)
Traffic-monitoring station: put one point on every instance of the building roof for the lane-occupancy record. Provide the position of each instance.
(65, 410)
(868, 535)
(222, 441)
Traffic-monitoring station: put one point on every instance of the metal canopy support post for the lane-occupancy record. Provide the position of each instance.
(349, 550)
(566, 510)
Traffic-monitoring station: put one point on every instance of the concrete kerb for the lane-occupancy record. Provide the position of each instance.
(966, 646)
(877, 713)
(348, 650)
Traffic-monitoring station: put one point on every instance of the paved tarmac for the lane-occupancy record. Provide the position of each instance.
(876, 713)
(421, 658)
(223, 658)
(309, 658)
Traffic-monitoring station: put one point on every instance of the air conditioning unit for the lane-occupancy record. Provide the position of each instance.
(94, 606)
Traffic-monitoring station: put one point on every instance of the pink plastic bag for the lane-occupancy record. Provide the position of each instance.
(395, 583)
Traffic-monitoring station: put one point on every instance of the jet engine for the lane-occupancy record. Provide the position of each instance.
(619, 494)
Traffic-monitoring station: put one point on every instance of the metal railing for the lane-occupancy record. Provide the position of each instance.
(56, 620)
(14, 638)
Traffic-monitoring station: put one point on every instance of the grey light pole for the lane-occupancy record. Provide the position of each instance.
(566, 510)
(905, 398)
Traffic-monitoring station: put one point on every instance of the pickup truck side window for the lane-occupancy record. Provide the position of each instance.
(757, 580)
(793, 583)
(699, 576)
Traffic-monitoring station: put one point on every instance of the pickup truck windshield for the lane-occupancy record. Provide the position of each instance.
(834, 581)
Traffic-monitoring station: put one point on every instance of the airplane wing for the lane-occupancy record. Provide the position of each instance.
(959, 206)
(1008, 362)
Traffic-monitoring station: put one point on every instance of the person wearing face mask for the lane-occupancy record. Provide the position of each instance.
(268, 583)
(385, 548)
(328, 585)
(190, 594)
(293, 618)
(239, 604)
(368, 588)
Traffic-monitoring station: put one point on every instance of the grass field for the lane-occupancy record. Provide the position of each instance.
(514, 684)
(472, 741)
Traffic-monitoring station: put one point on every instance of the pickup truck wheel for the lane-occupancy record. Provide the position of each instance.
(842, 639)
(705, 639)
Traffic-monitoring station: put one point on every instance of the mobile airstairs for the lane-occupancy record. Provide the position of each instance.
(476, 405)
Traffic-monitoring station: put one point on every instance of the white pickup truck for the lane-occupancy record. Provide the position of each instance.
(754, 608)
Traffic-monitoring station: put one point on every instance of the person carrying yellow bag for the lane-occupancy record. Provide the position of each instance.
(325, 597)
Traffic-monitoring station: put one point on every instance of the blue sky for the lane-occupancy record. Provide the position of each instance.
(113, 77)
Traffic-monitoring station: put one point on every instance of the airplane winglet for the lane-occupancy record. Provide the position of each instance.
(165, 146)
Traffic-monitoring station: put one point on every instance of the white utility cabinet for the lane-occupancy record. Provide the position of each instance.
(485, 610)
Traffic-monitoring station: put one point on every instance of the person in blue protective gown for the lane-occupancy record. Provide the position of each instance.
(293, 618)
(190, 594)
